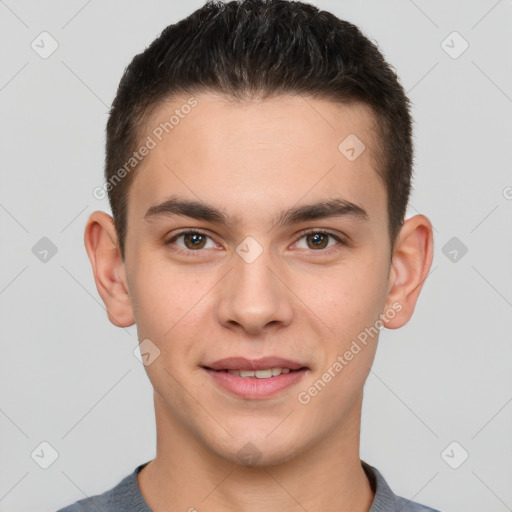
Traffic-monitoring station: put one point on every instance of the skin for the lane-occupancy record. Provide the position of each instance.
(253, 159)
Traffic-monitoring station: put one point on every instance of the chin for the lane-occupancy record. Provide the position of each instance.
(257, 452)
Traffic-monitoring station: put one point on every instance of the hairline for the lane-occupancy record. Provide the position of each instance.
(150, 108)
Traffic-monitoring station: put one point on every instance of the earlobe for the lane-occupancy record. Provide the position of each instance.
(410, 265)
(101, 243)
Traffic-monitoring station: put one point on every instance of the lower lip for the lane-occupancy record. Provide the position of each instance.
(254, 388)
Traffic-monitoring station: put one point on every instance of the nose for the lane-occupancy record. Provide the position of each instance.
(254, 296)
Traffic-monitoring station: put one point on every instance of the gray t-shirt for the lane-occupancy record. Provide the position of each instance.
(126, 497)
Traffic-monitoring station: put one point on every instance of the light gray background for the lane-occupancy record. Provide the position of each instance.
(68, 377)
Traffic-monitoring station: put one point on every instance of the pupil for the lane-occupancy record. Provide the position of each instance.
(195, 238)
(318, 239)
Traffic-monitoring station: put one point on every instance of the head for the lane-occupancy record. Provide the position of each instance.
(249, 123)
(261, 48)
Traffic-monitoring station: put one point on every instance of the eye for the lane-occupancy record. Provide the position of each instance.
(193, 241)
(318, 240)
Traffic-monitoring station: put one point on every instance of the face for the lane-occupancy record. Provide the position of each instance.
(241, 279)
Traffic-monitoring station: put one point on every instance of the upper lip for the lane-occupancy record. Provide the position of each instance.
(242, 363)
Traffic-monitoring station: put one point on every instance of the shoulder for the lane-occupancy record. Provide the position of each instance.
(124, 497)
(405, 505)
(105, 502)
(101, 502)
(385, 499)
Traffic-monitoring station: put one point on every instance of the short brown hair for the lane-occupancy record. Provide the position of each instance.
(263, 47)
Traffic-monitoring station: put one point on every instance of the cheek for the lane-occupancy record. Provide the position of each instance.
(157, 297)
(351, 309)
(167, 301)
(347, 298)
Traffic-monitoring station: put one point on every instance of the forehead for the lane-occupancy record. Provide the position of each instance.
(253, 154)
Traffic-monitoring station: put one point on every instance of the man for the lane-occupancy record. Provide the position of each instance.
(258, 167)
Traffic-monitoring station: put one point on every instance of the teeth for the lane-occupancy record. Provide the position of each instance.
(260, 374)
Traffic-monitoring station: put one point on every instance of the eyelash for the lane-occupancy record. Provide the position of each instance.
(189, 252)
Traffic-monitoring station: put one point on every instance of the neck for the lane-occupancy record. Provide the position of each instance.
(186, 475)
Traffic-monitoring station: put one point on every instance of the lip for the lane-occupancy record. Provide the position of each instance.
(242, 363)
(254, 388)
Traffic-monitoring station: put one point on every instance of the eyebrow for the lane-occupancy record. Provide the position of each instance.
(202, 211)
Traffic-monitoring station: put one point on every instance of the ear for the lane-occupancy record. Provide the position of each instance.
(102, 247)
(410, 264)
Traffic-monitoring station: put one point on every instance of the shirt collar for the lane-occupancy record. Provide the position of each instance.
(384, 500)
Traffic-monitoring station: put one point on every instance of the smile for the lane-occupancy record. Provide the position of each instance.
(258, 374)
(256, 384)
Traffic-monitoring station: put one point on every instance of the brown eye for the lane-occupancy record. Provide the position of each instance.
(190, 242)
(194, 240)
(318, 240)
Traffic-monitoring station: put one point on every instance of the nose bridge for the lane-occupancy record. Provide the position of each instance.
(254, 296)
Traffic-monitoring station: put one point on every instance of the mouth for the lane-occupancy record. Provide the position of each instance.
(256, 378)
(265, 373)
(242, 364)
